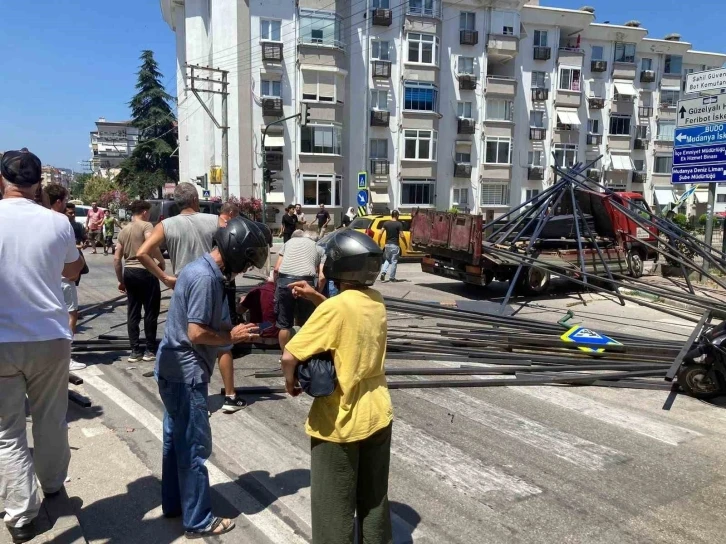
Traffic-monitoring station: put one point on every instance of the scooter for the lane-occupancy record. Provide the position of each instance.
(703, 372)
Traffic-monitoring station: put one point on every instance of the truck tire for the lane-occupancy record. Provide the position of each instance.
(698, 382)
(635, 263)
(534, 281)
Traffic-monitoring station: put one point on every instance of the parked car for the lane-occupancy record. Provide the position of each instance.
(82, 214)
(372, 225)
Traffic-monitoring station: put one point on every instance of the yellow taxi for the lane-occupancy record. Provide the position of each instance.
(372, 225)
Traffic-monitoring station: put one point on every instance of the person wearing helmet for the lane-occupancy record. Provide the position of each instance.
(185, 360)
(350, 429)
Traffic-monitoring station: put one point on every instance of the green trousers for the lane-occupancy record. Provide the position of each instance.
(347, 479)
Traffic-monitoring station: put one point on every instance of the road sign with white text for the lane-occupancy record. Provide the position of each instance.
(707, 82)
(708, 173)
(699, 154)
(704, 110)
(700, 136)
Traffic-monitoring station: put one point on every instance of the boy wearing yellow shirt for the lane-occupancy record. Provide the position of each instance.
(350, 429)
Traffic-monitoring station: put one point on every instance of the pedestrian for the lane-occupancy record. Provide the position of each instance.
(228, 211)
(323, 218)
(35, 343)
(350, 429)
(56, 196)
(392, 250)
(299, 259)
(289, 223)
(301, 221)
(141, 287)
(185, 361)
(78, 230)
(348, 217)
(260, 303)
(94, 225)
(109, 228)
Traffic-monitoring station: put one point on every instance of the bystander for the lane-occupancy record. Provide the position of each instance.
(109, 229)
(289, 223)
(301, 220)
(94, 225)
(393, 231)
(323, 218)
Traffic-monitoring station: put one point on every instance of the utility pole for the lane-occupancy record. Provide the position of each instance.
(214, 86)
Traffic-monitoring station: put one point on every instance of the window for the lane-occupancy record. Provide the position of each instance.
(529, 194)
(538, 80)
(646, 64)
(508, 30)
(321, 189)
(379, 99)
(534, 157)
(465, 65)
(423, 48)
(536, 119)
(320, 86)
(380, 50)
(464, 109)
(565, 155)
(597, 52)
(570, 79)
(417, 191)
(379, 148)
(461, 196)
(673, 64)
(620, 125)
(320, 28)
(498, 150)
(420, 145)
(425, 8)
(663, 165)
(269, 30)
(669, 98)
(624, 52)
(494, 194)
(646, 99)
(270, 87)
(666, 130)
(540, 38)
(499, 109)
(463, 156)
(467, 20)
(381, 4)
(420, 96)
(593, 126)
(720, 199)
(641, 131)
(639, 165)
(324, 139)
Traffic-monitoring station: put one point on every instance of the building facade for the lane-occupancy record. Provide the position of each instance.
(460, 103)
(111, 143)
(62, 176)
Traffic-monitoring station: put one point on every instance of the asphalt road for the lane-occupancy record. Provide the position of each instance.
(505, 464)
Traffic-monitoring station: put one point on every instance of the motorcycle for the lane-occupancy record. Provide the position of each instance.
(703, 372)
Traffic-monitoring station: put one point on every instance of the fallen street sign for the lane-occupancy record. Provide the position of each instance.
(700, 155)
(700, 136)
(704, 110)
(708, 81)
(584, 335)
(709, 173)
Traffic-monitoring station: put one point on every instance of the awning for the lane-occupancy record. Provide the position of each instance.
(276, 198)
(274, 141)
(701, 196)
(664, 196)
(380, 198)
(624, 88)
(621, 162)
(568, 116)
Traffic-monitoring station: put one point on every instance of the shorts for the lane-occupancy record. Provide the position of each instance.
(94, 235)
(287, 307)
(109, 241)
(70, 295)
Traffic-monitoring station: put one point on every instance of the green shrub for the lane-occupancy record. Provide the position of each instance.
(681, 220)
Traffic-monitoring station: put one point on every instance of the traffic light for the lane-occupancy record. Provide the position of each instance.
(304, 115)
(268, 180)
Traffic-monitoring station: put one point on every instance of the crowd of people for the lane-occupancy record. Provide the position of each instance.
(316, 302)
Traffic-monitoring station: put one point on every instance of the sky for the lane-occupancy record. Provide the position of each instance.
(65, 64)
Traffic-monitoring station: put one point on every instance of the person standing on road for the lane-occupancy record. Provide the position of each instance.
(185, 361)
(323, 218)
(78, 230)
(394, 237)
(289, 223)
(109, 228)
(94, 225)
(35, 343)
(350, 429)
(140, 286)
(348, 217)
(301, 221)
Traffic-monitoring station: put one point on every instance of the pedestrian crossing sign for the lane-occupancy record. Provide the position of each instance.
(584, 335)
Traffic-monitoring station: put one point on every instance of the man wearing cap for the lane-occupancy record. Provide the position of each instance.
(35, 343)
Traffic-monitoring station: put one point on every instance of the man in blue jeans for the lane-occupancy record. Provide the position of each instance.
(185, 360)
(392, 250)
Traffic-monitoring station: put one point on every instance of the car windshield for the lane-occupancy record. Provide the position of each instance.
(81, 212)
(361, 223)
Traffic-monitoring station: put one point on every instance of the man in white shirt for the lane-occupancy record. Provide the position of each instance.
(35, 342)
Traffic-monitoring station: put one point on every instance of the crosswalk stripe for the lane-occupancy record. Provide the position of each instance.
(566, 446)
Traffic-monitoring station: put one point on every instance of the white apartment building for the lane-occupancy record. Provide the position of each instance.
(111, 143)
(453, 103)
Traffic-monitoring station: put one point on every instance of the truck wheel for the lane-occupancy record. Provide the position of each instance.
(535, 281)
(488, 277)
(635, 263)
(697, 382)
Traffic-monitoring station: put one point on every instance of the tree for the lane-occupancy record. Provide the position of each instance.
(151, 165)
(79, 184)
(96, 187)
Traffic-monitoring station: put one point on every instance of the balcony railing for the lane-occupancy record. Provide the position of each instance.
(462, 169)
(274, 160)
(542, 52)
(595, 102)
(668, 105)
(594, 139)
(645, 111)
(380, 118)
(639, 177)
(382, 17)
(540, 95)
(640, 143)
(422, 8)
(271, 51)
(647, 76)
(537, 133)
(465, 126)
(598, 65)
(324, 42)
(535, 172)
(380, 167)
(467, 82)
(468, 37)
(272, 106)
(381, 69)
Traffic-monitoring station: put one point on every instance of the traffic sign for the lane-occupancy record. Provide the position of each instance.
(206, 193)
(362, 180)
(699, 155)
(707, 82)
(700, 136)
(708, 173)
(362, 197)
(583, 335)
(703, 110)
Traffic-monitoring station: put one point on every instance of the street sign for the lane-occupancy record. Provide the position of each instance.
(583, 335)
(707, 82)
(206, 193)
(703, 110)
(700, 136)
(699, 155)
(362, 180)
(362, 197)
(709, 173)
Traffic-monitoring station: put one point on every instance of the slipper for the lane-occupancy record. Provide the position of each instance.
(219, 526)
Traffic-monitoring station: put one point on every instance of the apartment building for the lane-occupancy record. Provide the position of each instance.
(111, 143)
(453, 103)
(63, 176)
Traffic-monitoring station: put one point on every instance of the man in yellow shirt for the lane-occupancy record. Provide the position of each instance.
(350, 429)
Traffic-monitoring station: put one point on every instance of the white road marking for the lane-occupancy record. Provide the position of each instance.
(263, 519)
(566, 446)
(663, 432)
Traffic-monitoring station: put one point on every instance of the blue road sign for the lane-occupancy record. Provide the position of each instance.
(362, 197)
(362, 180)
(709, 173)
(206, 193)
(699, 155)
(700, 136)
(583, 335)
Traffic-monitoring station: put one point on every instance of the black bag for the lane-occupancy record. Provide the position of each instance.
(317, 375)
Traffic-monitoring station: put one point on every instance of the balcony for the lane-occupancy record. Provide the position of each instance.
(422, 8)
(567, 98)
(380, 167)
(624, 70)
(541, 52)
(668, 105)
(645, 111)
(271, 51)
(570, 56)
(640, 143)
(465, 126)
(462, 169)
(639, 177)
(598, 65)
(535, 173)
(381, 69)
(382, 17)
(272, 107)
(274, 160)
(595, 102)
(380, 118)
(502, 86)
(468, 37)
(540, 95)
(537, 133)
(619, 142)
(502, 46)
(594, 139)
(467, 82)
(670, 81)
(647, 76)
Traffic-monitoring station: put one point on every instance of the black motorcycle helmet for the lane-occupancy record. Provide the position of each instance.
(242, 243)
(351, 257)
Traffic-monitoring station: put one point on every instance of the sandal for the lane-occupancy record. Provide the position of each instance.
(219, 526)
